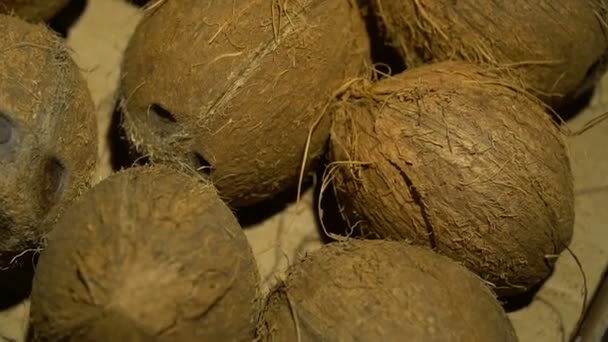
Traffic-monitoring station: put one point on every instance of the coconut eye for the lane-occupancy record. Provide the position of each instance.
(162, 113)
(54, 179)
(162, 121)
(6, 129)
(56, 175)
(202, 166)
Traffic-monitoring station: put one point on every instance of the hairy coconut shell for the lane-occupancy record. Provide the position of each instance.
(382, 291)
(48, 133)
(151, 247)
(449, 156)
(550, 45)
(233, 88)
(33, 10)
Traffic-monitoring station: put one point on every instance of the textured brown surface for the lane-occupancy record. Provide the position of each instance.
(32, 10)
(382, 291)
(460, 163)
(50, 156)
(153, 246)
(244, 82)
(549, 44)
(280, 239)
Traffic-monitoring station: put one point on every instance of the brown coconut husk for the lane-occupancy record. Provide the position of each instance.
(50, 156)
(233, 89)
(33, 10)
(153, 248)
(451, 157)
(381, 291)
(554, 47)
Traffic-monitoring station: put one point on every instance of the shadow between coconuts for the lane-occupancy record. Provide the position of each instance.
(67, 17)
(257, 213)
(522, 300)
(16, 282)
(577, 102)
(573, 107)
(385, 57)
(327, 209)
(122, 154)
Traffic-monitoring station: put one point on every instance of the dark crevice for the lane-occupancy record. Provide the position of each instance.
(8, 133)
(138, 3)
(199, 162)
(16, 282)
(572, 107)
(523, 300)
(63, 21)
(122, 153)
(580, 99)
(256, 213)
(162, 121)
(53, 181)
(162, 113)
(419, 201)
(385, 56)
(6, 129)
(327, 207)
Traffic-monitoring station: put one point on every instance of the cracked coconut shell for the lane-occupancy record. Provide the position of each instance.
(233, 88)
(48, 133)
(449, 156)
(33, 10)
(147, 254)
(382, 291)
(557, 48)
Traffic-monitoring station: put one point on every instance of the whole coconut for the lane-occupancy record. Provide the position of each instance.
(48, 133)
(33, 10)
(382, 291)
(233, 89)
(147, 254)
(554, 47)
(449, 156)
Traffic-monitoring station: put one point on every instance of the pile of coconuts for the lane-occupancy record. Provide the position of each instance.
(451, 177)
(555, 49)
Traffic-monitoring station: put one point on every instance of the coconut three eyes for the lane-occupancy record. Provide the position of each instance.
(48, 134)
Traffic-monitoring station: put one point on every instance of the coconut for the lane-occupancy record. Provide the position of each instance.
(234, 89)
(451, 157)
(148, 253)
(33, 10)
(552, 46)
(48, 133)
(382, 291)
